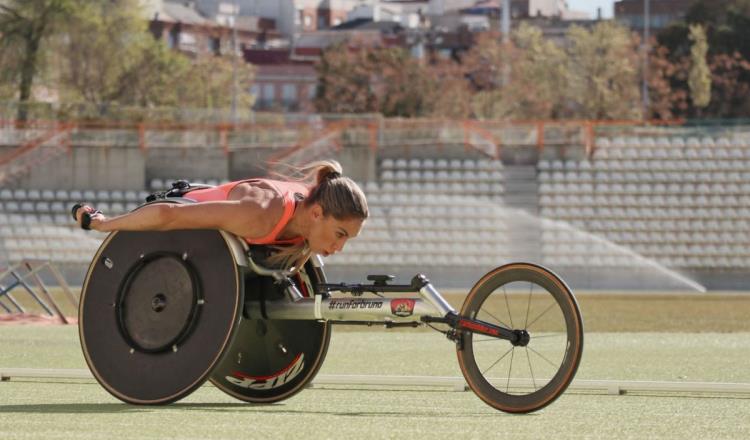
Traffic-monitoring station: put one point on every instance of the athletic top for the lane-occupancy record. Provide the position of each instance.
(292, 192)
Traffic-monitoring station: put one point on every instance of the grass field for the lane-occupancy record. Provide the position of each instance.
(628, 337)
(604, 311)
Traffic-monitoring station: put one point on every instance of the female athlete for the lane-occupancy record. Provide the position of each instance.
(317, 214)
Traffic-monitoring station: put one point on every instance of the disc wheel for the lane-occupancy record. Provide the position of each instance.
(157, 312)
(272, 360)
(531, 374)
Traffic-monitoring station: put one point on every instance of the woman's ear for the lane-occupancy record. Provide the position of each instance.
(316, 211)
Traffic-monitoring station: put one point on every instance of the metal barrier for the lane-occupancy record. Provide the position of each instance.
(23, 275)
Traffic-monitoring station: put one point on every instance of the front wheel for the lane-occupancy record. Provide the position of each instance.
(531, 374)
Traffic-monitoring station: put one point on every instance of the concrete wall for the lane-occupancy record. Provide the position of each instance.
(130, 168)
(186, 163)
(89, 168)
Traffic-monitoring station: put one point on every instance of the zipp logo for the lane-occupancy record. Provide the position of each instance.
(269, 382)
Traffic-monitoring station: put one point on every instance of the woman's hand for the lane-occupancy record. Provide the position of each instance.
(92, 220)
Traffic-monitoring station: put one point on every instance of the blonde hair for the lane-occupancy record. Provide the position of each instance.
(338, 196)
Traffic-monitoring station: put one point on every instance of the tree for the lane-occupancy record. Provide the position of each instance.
(539, 75)
(373, 79)
(24, 25)
(727, 28)
(405, 87)
(729, 92)
(452, 96)
(486, 66)
(603, 73)
(699, 78)
(104, 56)
(102, 41)
(207, 83)
(663, 101)
(344, 81)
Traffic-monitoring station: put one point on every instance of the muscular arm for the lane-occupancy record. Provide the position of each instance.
(254, 215)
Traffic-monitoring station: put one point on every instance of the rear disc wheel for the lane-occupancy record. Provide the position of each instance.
(272, 360)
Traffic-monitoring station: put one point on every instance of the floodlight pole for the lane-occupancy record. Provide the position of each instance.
(646, 36)
(234, 62)
(505, 29)
(505, 22)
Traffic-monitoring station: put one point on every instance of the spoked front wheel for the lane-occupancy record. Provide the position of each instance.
(531, 373)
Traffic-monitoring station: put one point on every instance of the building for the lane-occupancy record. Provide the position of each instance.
(407, 13)
(186, 30)
(282, 83)
(518, 8)
(661, 12)
(290, 16)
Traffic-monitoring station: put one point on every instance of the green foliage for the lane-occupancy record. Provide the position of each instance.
(603, 73)
(24, 26)
(540, 75)
(366, 80)
(531, 77)
(727, 30)
(488, 65)
(103, 41)
(344, 81)
(208, 83)
(699, 78)
(100, 52)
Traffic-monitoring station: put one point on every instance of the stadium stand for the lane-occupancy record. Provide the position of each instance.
(445, 209)
(682, 202)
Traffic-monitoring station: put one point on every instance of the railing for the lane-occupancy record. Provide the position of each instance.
(49, 141)
(306, 137)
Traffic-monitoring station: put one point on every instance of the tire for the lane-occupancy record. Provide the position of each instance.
(521, 296)
(256, 369)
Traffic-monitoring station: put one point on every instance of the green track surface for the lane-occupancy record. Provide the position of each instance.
(79, 409)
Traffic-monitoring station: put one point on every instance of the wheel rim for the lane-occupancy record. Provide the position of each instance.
(527, 376)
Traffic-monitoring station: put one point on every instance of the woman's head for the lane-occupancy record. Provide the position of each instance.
(337, 207)
(335, 210)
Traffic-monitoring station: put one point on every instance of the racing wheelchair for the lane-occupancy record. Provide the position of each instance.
(163, 312)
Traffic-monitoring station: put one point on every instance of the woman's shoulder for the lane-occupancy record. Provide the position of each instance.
(268, 194)
(284, 187)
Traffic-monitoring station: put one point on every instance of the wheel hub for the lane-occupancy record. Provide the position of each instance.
(522, 338)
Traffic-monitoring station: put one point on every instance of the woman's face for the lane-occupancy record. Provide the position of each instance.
(328, 235)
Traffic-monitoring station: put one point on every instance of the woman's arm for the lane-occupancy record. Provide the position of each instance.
(246, 217)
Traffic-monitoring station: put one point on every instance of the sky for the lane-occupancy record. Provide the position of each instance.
(591, 5)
